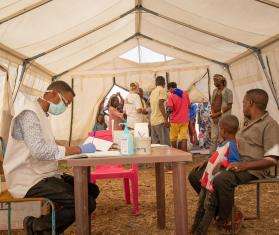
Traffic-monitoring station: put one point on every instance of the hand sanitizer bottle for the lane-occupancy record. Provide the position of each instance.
(126, 142)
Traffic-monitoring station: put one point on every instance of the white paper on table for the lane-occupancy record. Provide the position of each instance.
(158, 145)
(96, 154)
(141, 130)
(102, 145)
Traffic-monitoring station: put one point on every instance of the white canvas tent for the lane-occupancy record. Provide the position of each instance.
(80, 42)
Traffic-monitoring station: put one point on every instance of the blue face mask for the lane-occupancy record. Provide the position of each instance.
(56, 109)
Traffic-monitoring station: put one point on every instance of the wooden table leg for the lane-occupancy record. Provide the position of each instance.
(180, 198)
(160, 195)
(81, 200)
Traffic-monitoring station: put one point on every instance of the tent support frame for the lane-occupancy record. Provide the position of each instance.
(267, 76)
(84, 34)
(55, 77)
(184, 51)
(269, 3)
(208, 84)
(197, 29)
(24, 11)
(270, 74)
(72, 116)
(24, 68)
(138, 11)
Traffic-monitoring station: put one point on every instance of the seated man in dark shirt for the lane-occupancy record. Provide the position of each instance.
(258, 145)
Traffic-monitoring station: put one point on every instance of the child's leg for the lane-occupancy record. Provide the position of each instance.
(210, 206)
(200, 210)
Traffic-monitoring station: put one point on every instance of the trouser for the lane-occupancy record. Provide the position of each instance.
(160, 134)
(61, 192)
(214, 136)
(206, 210)
(224, 184)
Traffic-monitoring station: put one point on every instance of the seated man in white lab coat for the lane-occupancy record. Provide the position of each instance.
(30, 163)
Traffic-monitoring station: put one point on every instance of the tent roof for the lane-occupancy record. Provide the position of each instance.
(65, 35)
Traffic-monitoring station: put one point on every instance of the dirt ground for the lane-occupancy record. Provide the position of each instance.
(113, 216)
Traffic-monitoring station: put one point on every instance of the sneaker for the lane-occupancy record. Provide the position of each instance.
(28, 225)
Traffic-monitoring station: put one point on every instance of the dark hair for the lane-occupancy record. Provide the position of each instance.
(216, 76)
(61, 86)
(172, 85)
(230, 123)
(259, 97)
(160, 81)
(111, 101)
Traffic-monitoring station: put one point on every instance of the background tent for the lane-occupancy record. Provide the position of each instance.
(81, 41)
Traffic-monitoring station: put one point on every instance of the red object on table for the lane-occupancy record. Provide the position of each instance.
(104, 135)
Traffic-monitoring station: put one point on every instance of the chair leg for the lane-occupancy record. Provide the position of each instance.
(127, 190)
(232, 219)
(258, 200)
(53, 219)
(9, 219)
(135, 194)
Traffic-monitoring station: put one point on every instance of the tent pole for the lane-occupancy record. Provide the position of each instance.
(194, 84)
(268, 78)
(72, 115)
(229, 72)
(269, 3)
(259, 46)
(24, 11)
(231, 78)
(16, 77)
(24, 67)
(138, 15)
(182, 50)
(197, 29)
(208, 84)
(167, 77)
(270, 74)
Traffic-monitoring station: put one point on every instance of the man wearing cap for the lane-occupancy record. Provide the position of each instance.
(221, 104)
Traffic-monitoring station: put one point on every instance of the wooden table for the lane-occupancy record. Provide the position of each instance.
(158, 156)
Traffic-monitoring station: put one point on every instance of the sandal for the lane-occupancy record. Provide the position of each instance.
(226, 227)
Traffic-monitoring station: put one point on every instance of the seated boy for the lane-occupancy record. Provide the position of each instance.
(225, 154)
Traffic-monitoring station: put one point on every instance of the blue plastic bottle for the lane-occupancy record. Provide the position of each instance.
(126, 143)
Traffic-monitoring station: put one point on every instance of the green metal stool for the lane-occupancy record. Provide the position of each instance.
(6, 198)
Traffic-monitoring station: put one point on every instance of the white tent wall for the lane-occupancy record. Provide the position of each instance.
(90, 91)
(248, 74)
(33, 84)
(103, 58)
(249, 21)
(5, 116)
(55, 22)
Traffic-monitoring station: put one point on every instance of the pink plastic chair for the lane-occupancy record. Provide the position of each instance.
(119, 172)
